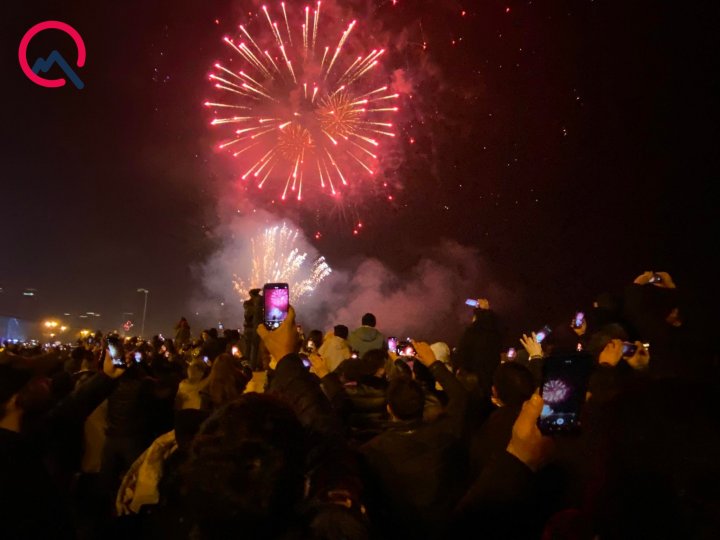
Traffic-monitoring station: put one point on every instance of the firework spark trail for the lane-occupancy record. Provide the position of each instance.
(311, 116)
(276, 259)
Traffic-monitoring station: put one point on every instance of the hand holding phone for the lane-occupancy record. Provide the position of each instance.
(406, 349)
(392, 344)
(564, 385)
(511, 354)
(117, 352)
(277, 302)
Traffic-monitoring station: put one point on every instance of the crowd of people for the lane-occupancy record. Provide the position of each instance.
(272, 434)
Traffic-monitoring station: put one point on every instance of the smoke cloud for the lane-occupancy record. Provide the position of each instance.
(425, 302)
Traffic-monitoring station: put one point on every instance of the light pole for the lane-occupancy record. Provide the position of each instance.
(142, 330)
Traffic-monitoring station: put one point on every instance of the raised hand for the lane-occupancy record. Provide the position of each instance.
(612, 353)
(527, 443)
(424, 353)
(531, 345)
(284, 339)
(110, 369)
(641, 359)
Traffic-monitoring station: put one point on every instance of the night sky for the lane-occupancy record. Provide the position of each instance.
(571, 142)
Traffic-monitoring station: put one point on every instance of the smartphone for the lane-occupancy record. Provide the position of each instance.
(511, 354)
(306, 362)
(116, 351)
(564, 385)
(277, 302)
(206, 359)
(578, 320)
(392, 344)
(234, 350)
(472, 303)
(542, 334)
(138, 357)
(405, 348)
(629, 349)
(656, 278)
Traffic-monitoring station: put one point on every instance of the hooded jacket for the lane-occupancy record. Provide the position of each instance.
(364, 339)
(335, 351)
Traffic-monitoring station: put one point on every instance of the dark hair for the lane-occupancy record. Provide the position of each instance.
(341, 331)
(605, 335)
(369, 320)
(245, 471)
(316, 336)
(406, 398)
(373, 360)
(513, 383)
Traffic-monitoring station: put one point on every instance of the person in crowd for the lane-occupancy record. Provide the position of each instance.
(335, 349)
(335, 482)
(211, 345)
(189, 390)
(225, 383)
(513, 385)
(366, 337)
(366, 387)
(653, 309)
(253, 316)
(478, 351)
(413, 473)
(313, 342)
(31, 505)
(182, 332)
(130, 411)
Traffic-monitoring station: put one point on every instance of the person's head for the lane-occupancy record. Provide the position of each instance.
(245, 471)
(512, 384)
(373, 363)
(562, 340)
(226, 382)
(316, 336)
(213, 333)
(341, 331)
(602, 338)
(196, 371)
(369, 320)
(22, 395)
(406, 400)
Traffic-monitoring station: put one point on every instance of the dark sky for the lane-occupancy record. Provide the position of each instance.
(571, 142)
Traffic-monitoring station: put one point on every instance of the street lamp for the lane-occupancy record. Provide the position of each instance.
(142, 331)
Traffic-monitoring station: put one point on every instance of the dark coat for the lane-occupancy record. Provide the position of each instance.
(479, 349)
(31, 504)
(414, 471)
(492, 438)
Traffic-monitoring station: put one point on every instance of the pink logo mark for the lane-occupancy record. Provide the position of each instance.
(49, 25)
